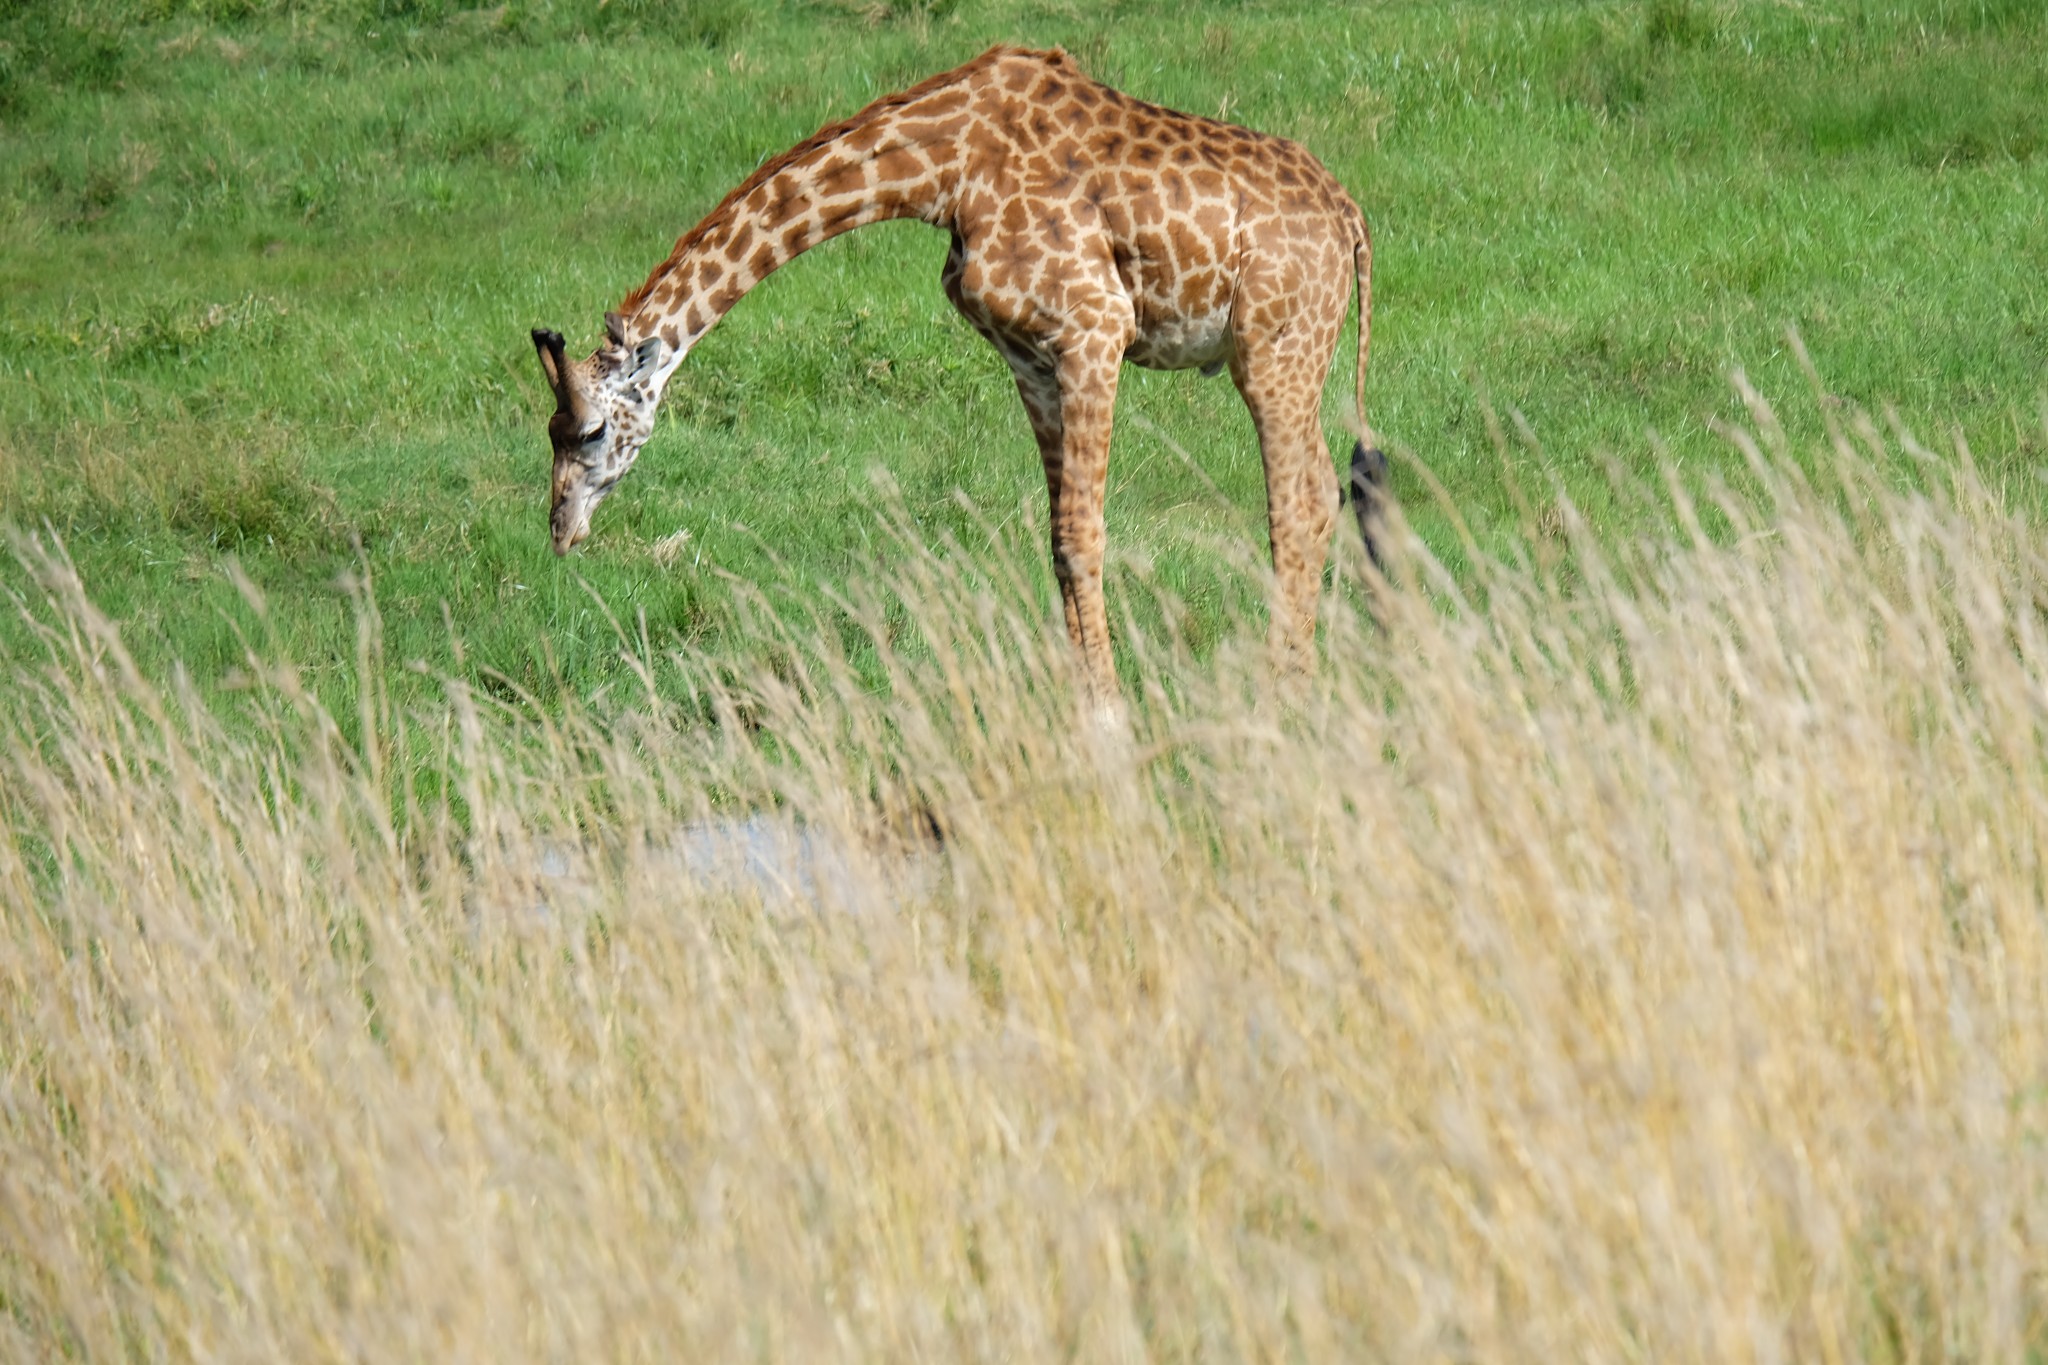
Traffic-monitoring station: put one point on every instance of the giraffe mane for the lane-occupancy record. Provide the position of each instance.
(768, 169)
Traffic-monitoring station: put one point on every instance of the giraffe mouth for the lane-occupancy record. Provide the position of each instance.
(577, 533)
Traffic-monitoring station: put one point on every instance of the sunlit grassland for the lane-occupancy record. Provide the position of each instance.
(724, 943)
(1649, 966)
(270, 271)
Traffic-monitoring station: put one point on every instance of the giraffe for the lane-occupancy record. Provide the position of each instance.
(1088, 228)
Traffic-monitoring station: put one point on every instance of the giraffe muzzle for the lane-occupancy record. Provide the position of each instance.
(571, 530)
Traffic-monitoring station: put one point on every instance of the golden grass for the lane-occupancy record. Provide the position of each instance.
(1642, 958)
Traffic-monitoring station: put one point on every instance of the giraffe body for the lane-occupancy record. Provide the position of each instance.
(1088, 228)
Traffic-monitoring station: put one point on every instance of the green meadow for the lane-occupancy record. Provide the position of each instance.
(271, 267)
(723, 944)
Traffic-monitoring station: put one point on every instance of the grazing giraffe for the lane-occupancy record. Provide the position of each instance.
(1088, 228)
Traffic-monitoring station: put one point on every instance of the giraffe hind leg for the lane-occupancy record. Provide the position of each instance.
(1301, 493)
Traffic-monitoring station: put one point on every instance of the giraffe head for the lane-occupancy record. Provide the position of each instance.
(604, 412)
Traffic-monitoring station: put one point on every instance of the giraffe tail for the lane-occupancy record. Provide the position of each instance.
(1366, 489)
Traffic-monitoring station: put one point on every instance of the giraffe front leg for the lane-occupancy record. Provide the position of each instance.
(1039, 389)
(1070, 406)
(1075, 483)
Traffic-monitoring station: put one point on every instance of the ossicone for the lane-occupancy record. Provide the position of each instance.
(548, 344)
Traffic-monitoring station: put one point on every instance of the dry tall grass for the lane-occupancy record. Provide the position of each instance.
(1645, 962)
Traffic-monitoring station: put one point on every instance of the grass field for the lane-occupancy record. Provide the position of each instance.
(721, 944)
(271, 267)
(1647, 969)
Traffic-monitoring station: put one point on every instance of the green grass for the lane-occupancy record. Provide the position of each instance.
(271, 267)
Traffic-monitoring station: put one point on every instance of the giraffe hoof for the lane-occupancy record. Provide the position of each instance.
(1108, 720)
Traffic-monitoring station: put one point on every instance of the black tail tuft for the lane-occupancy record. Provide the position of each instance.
(1366, 490)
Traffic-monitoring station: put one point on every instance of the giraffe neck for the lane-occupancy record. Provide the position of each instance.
(898, 158)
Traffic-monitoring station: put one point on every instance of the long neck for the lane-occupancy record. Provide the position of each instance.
(898, 158)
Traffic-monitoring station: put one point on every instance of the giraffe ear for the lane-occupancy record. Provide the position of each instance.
(646, 357)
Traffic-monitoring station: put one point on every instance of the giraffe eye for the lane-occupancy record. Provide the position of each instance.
(595, 434)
